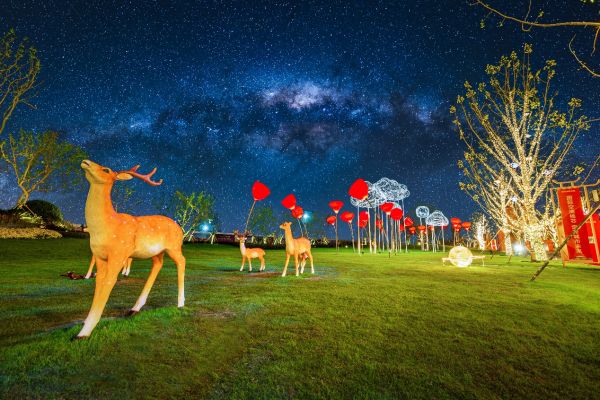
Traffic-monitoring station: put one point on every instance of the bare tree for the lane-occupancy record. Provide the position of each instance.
(41, 162)
(516, 140)
(527, 24)
(19, 68)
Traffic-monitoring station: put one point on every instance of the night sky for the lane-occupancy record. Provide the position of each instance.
(303, 96)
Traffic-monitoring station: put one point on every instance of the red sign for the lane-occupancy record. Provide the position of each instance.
(569, 200)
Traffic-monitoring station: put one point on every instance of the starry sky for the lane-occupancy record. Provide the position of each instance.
(303, 96)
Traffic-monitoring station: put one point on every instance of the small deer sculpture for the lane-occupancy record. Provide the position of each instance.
(299, 248)
(249, 254)
(114, 238)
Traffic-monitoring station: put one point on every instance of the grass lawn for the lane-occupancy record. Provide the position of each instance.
(362, 327)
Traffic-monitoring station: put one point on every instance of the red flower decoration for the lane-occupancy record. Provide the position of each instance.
(362, 223)
(396, 214)
(260, 191)
(422, 228)
(363, 216)
(413, 230)
(466, 225)
(336, 205)
(379, 223)
(347, 216)
(456, 227)
(331, 219)
(289, 202)
(387, 207)
(401, 227)
(408, 221)
(359, 189)
(431, 228)
(455, 221)
(297, 212)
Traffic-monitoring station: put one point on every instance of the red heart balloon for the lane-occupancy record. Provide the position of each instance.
(387, 207)
(260, 191)
(336, 205)
(297, 212)
(347, 216)
(359, 189)
(289, 202)
(396, 214)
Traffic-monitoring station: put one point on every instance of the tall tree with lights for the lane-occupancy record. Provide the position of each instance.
(516, 140)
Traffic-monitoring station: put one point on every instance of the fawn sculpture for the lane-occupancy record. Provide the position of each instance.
(299, 248)
(114, 238)
(249, 254)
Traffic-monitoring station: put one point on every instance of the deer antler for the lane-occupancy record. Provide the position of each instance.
(145, 178)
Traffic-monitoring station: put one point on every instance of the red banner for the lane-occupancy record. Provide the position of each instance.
(569, 200)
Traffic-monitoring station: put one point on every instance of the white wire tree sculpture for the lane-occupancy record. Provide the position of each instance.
(437, 219)
(422, 213)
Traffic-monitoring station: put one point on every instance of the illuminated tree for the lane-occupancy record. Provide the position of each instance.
(263, 222)
(189, 210)
(19, 67)
(527, 24)
(41, 162)
(516, 140)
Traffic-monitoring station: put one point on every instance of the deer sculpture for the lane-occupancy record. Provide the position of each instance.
(114, 238)
(298, 248)
(249, 254)
(125, 271)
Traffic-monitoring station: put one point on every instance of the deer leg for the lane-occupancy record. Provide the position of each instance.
(127, 267)
(250, 264)
(302, 263)
(243, 263)
(312, 266)
(157, 263)
(105, 281)
(287, 261)
(89, 273)
(262, 263)
(179, 260)
(296, 263)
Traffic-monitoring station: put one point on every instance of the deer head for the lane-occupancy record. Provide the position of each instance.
(285, 225)
(99, 175)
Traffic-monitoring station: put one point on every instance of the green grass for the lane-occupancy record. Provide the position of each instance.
(362, 327)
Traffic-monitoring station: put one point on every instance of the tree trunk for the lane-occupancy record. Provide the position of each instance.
(23, 198)
(534, 234)
(508, 250)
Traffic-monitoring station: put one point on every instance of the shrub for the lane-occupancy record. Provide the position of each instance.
(47, 211)
(28, 233)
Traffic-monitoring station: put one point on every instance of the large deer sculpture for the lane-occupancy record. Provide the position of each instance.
(114, 238)
(298, 248)
(249, 254)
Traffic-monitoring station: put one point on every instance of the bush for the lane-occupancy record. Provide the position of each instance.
(47, 211)
(28, 233)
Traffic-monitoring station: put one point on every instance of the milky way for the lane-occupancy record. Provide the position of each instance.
(305, 98)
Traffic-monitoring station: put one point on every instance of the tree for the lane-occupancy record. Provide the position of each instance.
(19, 68)
(122, 195)
(189, 210)
(263, 221)
(41, 162)
(516, 140)
(527, 25)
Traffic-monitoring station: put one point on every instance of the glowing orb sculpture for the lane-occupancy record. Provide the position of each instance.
(460, 256)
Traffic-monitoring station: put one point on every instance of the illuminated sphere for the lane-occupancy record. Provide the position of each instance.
(460, 256)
